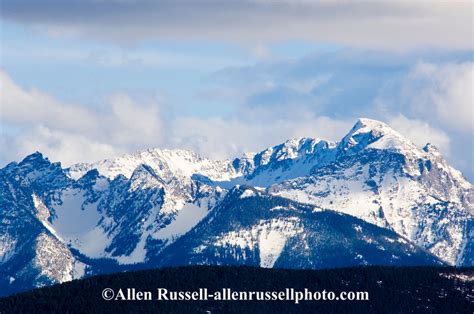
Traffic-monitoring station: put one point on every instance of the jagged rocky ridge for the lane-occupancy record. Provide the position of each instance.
(372, 198)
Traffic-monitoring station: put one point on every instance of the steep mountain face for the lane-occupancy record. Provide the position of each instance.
(372, 198)
(30, 252)
(292, 159)
(257, 229)
(384, 179)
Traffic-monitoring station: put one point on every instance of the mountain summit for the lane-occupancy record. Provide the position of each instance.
(371, 198)
(368, 133)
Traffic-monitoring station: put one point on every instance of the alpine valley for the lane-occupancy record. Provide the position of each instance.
(373, 198)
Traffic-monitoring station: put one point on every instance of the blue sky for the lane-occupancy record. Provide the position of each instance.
(78, 70)
(86, 80)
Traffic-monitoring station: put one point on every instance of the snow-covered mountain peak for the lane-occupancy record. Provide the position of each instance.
(291, 149)
(34, 157)
(34, 161)
(144, 177)
(296, 147)
(174, 162)
(368, 133)
(371, 124)
(36, 169)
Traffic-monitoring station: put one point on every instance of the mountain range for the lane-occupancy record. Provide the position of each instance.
(372, 198)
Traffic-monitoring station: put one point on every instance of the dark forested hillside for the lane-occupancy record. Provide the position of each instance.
(391, 289)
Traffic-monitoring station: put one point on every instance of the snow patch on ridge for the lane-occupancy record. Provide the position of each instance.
(247, 193)
(78, 224)
(43, 214)
(271, 245)
(269, 236)
(186, 218)
(7, 247)
(181, 163)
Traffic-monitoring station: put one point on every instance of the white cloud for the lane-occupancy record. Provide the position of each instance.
(29, 106)
(225, 138)
(443, 92)
(131, 121)
(72, 132)
(66, 147)
(421, 133)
